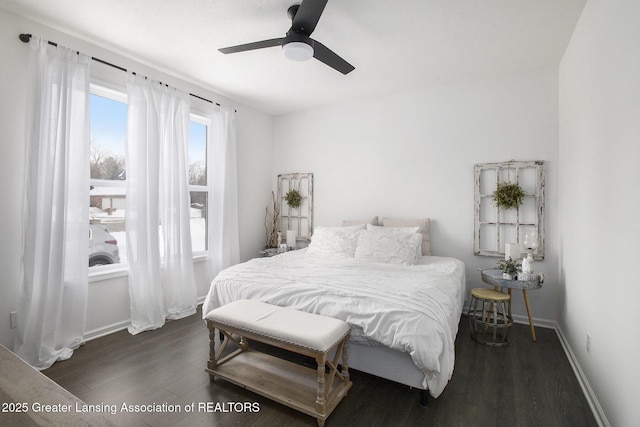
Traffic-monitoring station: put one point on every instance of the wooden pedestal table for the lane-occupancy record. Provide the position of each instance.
(494, 277)
(311, 391)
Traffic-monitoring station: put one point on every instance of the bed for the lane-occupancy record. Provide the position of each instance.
(403, 306)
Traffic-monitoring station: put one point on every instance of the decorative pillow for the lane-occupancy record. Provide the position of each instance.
(372, 221)
(334, 242)
(406, 230)
(423, 223)
(392, 245)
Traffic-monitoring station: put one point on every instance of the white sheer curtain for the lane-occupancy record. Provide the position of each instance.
(55, 254)
(161, 278)
(223, 208)
(178, 279)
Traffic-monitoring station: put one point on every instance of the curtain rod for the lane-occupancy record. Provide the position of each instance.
(26, 37)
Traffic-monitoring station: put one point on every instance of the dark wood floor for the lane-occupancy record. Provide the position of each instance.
(523, 384)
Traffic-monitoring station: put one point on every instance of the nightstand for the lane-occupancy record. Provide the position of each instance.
(494, 277)
(269, 252)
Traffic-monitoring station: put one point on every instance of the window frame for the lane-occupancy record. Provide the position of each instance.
(114, 92)
(202, 120)
(108, 91)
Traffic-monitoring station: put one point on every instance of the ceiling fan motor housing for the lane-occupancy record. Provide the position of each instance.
(297, 47)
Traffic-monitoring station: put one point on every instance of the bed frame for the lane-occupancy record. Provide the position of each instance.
(385, 362)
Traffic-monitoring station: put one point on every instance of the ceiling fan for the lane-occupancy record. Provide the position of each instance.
(297, 44)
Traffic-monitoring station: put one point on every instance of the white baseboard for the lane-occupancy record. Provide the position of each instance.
(598, 413)
(106, 330)
(537, 322)
(116, 327)
(542, 323)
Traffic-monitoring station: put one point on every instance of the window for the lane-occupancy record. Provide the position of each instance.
(198, 189)
(107, 238)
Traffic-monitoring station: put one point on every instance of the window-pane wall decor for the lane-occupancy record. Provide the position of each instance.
(299, 219)
(495, 226)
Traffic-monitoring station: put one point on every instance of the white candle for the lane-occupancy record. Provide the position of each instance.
(291, 238)
(512, 250)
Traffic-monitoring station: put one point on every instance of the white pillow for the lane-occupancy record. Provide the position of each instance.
(393, 230)
(373, 221)
(405, 230)
(423, 223)
(394, 245)
(335, 242)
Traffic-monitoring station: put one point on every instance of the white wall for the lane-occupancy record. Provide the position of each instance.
(599, 223)
(412, 155)
(108, 304)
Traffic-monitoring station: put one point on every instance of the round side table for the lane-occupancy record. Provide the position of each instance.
(494, 277)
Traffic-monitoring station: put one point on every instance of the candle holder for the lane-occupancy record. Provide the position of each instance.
(291, 239)
(530, 243)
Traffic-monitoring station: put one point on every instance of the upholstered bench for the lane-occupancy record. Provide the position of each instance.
(313, 392)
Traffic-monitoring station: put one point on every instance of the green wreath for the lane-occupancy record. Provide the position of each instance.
(293, 198)
(508, 195)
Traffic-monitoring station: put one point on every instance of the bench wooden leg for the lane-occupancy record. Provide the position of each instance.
(345, 362)
(321, 400)
(325, 396)
(211, 363)
(215, 355)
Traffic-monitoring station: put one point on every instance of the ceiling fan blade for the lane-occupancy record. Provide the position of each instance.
(307, 16)
(329, 57)
(252, 46)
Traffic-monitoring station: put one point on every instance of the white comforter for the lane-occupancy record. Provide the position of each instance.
(414, 309)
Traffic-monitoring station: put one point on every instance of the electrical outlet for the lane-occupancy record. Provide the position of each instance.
(13, 319)
(588, 342)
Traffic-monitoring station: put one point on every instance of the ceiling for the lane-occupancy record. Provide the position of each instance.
(394, 46)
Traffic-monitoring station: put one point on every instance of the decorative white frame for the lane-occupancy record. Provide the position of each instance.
(495, 226)
(299, 219)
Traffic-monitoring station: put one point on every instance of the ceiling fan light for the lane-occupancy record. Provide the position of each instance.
(297, 51)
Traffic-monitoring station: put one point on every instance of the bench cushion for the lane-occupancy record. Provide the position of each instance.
(313, 331)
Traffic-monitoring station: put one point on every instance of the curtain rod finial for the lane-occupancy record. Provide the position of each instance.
(25, 37)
